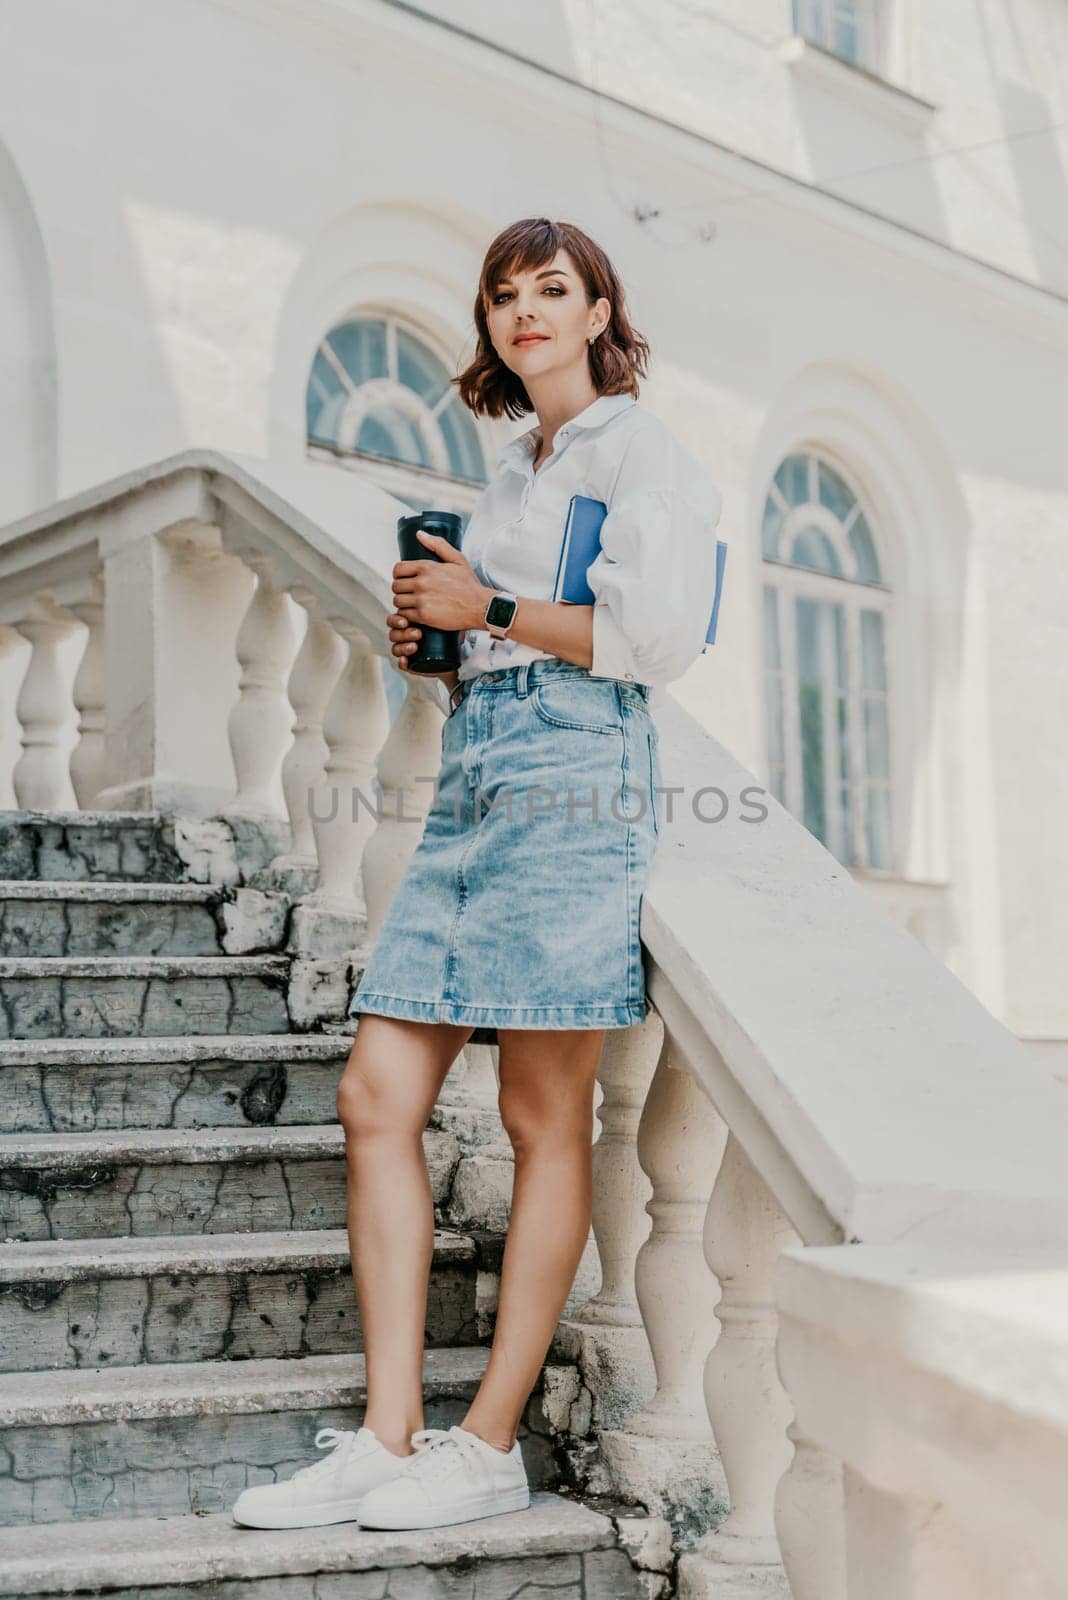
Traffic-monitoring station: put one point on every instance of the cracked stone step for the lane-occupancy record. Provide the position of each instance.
(169, 1440)
(123, 1302)
(133, 845)
(93, 997)
(557, 1546)
(100, 919)
(148, 1183)
(195, 1081)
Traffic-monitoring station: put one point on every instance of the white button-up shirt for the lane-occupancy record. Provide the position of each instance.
(654, 580)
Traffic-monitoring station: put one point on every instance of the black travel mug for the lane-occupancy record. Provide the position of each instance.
(439, 648)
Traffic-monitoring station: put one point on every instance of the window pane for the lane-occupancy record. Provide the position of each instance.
(876, 739)
(812, 548)
(773, 521)
(419, 370)
(873, 661)
(864, 552)
(810, 712)
(361, 349)
(772, 642)
(776, 743)
(792, 480)
(461, 441)
(878, 827)
(835, 493)
(325, 399)
(846, 40)
(386, 432)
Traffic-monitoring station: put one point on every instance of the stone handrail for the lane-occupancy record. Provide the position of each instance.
(815, 1112)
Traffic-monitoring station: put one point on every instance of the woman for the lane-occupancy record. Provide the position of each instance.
(519, 909)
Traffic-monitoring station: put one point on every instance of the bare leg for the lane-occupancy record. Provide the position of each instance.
(384, 1099)
(546, 1102)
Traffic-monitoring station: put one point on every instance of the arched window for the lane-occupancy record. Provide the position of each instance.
(825, 621)
(377, 392)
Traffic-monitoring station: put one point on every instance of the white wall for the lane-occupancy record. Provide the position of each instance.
(215, 183)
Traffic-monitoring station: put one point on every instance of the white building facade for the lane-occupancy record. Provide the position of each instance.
(257, 225)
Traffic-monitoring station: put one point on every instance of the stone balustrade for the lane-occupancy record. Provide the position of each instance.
(831, 1203)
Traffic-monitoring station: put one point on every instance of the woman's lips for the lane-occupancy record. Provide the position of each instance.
(531, 338)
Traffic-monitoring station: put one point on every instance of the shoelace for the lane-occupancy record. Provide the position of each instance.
(332, 1439)
(435, 1450)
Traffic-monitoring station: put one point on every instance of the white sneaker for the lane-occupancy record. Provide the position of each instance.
(330, 1490)
(454, 1476)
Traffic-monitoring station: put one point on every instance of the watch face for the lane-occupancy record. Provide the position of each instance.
(500, 612)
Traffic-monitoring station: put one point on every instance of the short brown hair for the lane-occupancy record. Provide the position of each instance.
(617, 357)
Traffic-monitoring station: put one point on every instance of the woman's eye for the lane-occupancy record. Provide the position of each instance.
(504, 294)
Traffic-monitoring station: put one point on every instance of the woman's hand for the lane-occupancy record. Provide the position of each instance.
(404, 641)
(438, 594)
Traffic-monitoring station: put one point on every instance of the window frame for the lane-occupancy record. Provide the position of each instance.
(789, 582)
(401, 478)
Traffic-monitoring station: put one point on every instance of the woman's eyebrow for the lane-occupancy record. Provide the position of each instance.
(550, 272)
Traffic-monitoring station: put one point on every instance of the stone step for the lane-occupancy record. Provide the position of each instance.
(195, 1081)
(133, 845)
(234, 1296)
(181, 1438)
(558, 1547)
(104, 919)
(93, 997)
(143, 1183)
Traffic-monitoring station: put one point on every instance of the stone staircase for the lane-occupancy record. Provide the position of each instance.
(177, 1314)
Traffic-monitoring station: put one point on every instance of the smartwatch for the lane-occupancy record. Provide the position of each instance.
(500, 613)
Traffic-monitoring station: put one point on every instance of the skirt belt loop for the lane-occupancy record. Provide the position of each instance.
(521, 680)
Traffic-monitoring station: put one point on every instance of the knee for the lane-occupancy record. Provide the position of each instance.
(367, 1110)
(533, 1119)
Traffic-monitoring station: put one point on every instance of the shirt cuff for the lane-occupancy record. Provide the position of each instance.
(613, 656)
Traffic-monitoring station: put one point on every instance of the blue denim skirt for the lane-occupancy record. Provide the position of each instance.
(520, 906)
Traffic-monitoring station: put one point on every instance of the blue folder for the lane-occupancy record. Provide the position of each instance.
(582, 545)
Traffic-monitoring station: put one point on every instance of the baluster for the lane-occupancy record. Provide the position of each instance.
(810, 1522)
(343, 821)
(42, 773)
(681, 1140)
(408, 764)
(14, 657)
(315, 674)
(87, 757)
(261, 721)
(665, 1455)
(745, 1232)
(620, 1187)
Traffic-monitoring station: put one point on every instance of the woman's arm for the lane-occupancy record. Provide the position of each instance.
(557, 626)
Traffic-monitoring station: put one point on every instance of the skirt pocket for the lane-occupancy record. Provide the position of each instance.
(586, 705)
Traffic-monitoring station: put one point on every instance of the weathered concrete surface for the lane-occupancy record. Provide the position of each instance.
(148, 1183)
(554, 1547)
(169, 1441)
(110, 1302)
(87, 997)
(88, 844)
(219, 1081)
(108, 919)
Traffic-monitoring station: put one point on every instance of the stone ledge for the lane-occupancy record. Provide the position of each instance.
(216, 1388)
(68, 1261)
(177, 1048)
(121, 1555)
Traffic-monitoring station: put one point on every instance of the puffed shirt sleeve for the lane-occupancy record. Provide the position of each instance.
(654, 580)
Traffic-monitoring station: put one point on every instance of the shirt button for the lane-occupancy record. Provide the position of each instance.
(629, 675)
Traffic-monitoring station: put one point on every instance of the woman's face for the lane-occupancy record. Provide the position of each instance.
(549, 303)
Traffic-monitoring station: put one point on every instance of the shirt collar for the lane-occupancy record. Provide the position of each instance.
(598, 412)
